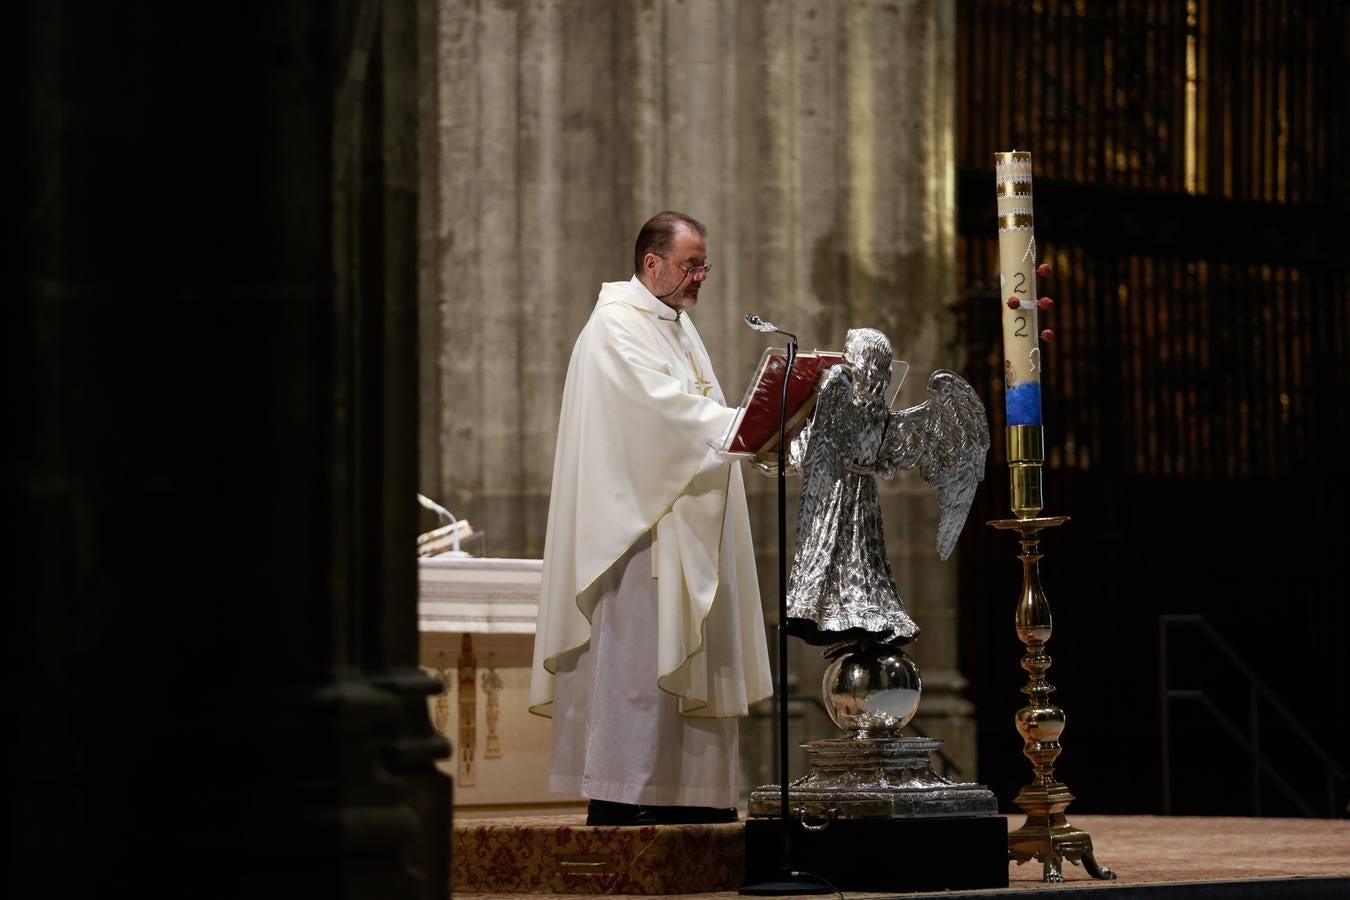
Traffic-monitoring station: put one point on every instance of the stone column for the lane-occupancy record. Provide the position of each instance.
(815, 139)
(213, 349)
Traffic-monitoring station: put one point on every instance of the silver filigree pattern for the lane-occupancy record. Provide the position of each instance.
(868, 778)
(841, 587)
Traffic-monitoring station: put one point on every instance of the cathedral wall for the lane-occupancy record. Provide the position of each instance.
(814, 139)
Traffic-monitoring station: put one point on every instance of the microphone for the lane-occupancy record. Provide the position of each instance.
(662, 297)
(678, 285)
(759, 324)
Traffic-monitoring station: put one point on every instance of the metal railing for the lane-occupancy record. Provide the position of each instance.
(1249, 741)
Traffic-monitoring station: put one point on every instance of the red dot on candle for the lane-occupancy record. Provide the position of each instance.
(1043, 270)
(1044, 303)
(1013, 303)
(1047, 335)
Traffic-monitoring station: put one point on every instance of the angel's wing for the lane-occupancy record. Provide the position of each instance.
(946, 437)
(824, 444)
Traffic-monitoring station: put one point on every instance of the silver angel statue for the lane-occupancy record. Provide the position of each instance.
(841, 591)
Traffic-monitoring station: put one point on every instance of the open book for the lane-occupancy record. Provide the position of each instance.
(754, 433)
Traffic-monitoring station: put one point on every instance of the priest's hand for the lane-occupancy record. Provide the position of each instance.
(769, 466)
(719, 456)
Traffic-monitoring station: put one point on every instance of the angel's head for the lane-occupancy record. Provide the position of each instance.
(868, 354)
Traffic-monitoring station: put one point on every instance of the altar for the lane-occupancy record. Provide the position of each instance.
(476, 620)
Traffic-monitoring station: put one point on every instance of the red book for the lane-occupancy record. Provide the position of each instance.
(755, 430)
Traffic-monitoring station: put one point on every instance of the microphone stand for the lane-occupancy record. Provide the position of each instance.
(786, 883)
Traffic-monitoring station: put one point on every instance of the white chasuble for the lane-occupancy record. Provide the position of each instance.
(650, 628)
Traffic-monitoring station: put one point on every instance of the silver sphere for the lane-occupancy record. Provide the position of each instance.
(872, 691)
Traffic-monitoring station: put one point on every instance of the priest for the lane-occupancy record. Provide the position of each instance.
(650, 643)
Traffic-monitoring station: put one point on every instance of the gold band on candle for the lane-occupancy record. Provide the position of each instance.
(1014, 188)
(1009, 157)
(1015, 221)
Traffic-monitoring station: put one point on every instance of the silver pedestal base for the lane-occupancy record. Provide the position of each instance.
(865, 778)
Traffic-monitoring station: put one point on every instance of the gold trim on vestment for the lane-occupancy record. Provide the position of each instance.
(550, 663)
(703, 623)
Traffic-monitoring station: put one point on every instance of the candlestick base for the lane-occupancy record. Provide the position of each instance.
(1046, 835)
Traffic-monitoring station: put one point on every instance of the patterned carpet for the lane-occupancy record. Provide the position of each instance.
(559, 855)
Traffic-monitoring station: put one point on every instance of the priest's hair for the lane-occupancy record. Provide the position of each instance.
(658, 234)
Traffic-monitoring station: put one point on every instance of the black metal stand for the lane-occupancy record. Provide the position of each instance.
(785, 882)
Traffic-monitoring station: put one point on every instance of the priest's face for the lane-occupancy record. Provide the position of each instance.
(676, 276)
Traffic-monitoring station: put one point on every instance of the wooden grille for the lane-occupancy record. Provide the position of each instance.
(1187, 198)
(1232, 98)
(1191, 194)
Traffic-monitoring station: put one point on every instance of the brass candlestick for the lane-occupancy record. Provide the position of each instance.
(1046, 835)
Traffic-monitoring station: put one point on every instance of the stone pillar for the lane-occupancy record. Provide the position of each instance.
(815, 139)
(213, 355)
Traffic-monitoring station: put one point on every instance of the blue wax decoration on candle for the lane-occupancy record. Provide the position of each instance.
(1022, 403)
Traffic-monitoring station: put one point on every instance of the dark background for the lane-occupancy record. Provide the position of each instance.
(1191, 195)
